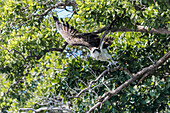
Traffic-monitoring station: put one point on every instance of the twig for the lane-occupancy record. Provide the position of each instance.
(147, 74)
(58, 5)
(13, 84)
(14, 51)
(91, 71)
(70, 87)
(46, 108)
(40, 16)
(144, 71)
(38, 57)
(127, 72)
(151, 59)
(143, 29)
(102, 83)
(71, 17)
(94, 81)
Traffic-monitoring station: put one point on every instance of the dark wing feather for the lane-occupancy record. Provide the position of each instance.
(108, 42)
(72, 36)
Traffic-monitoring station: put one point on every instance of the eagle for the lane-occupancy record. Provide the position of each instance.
(98, 49)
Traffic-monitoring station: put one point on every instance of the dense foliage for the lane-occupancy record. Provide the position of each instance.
(34, 76)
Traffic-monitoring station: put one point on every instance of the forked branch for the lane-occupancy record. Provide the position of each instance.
(94, 81)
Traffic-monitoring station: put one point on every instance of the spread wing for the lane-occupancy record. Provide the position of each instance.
(72, 37)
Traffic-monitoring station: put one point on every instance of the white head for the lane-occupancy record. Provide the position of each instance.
(95, 52)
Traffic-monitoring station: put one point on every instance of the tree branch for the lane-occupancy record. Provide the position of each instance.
(46, 108)
(144, 71)
(143, 29)
(13, 50)
(51, 49)
(38, 57)
(97, 79)
(94, 81)
(44, 13)
(147, 74)
(58, 5)
(18, 81)
(127, 72)
(59, 49)
(140, 28)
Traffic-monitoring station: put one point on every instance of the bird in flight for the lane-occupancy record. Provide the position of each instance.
(98, 49)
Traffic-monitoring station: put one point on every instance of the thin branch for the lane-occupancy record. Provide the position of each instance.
(59, 49)
(13, 84)
(144, 71)
(127, 72)
(147, 74)
(46, 108)
(102, 83)
(14, 51)
(40, 16)
(38, 57)
(94, 81)
(140, 28)
(70, 87)
(71, 16)
(58, 5)
(151, 59)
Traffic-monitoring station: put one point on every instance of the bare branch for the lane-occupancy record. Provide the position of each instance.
(127, 72)
(102, 83)
(144, 71)
(51, 49)
(143, 29)
(46, 108)
(58, 5)
(147, 74)
(94, 81)
(18, 81)
(140, 28)
(151, 59)
(14, 51)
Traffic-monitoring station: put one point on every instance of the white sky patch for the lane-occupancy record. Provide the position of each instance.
(62, 13)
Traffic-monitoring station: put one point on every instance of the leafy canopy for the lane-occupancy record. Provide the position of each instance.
(32, 76)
